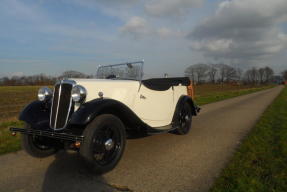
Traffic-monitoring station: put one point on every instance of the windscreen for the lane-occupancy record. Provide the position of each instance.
(131, 71)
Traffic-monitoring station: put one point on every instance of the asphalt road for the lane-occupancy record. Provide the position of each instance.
(164, 162)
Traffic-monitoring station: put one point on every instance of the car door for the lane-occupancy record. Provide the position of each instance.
(154, 107)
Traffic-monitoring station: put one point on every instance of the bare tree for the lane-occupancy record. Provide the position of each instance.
(190, 72)
(262, 75)
(239, 73)
(247, 77)
(269, 74)
(212, 71)
(265, 75)
(201, 71)
(231, 74)
(284, 74)
(73, 74)
(254, 75)
(226, 73)
(221, 70)
(251, 76)
(197, 72)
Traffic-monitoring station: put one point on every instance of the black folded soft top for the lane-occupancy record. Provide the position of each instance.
(162, 84)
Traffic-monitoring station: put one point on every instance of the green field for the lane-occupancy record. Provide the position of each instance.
(260, 164)
(13, 99)
(207, 93)
(9, 143)
(16, 97)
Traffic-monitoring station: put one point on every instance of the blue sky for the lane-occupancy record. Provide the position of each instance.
(41, 36)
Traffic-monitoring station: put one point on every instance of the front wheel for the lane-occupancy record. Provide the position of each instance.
(184, 120)
(37, 146)
(104, 143)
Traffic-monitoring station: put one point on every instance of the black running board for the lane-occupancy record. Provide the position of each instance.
(159, 130)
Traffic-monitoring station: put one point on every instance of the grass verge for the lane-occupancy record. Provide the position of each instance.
(260, 163)
(9, 143)
(215, 96)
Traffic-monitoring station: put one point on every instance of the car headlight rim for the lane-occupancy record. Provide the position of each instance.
(79, 94)
(44, 94)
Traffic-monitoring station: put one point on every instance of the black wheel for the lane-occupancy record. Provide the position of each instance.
(184, 120)
(37, 146)
(104, 143)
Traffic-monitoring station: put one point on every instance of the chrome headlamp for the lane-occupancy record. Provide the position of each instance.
(44, 94)
(79, 94)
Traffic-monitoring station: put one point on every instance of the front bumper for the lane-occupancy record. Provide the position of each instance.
(51, 134)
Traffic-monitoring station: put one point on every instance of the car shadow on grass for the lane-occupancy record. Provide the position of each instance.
(68, 172)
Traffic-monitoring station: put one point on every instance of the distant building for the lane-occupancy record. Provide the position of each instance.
(277, 79)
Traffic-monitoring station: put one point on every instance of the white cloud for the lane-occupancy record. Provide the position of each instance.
(138, 27)
(170, 7)
(220, 45)
(165, 32)
(245, 31)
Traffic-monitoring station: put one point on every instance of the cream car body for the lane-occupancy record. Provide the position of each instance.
(155, 108)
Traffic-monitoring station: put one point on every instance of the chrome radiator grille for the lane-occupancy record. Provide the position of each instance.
(61, 105)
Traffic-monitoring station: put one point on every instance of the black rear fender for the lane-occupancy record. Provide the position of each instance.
(182, 100)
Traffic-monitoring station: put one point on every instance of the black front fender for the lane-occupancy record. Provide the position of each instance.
(88, 111)
(36, 113)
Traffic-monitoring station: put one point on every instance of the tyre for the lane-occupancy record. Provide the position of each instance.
(37, 146)
(104, 143)
(184, 119)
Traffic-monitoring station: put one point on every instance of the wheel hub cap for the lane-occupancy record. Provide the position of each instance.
(109, 144)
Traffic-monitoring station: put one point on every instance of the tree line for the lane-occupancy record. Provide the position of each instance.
(198, 73)
(40, 79)
(223, 73)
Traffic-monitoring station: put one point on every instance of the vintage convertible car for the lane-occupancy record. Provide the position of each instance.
(95, 116)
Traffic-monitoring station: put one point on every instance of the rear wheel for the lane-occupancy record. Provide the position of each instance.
(37, 146)
(184, 120)
(104, 143)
